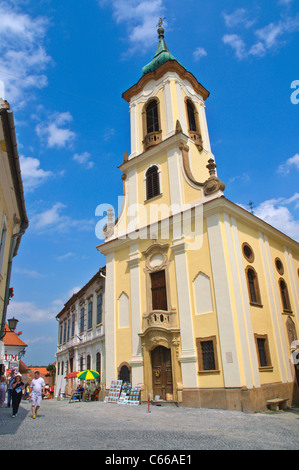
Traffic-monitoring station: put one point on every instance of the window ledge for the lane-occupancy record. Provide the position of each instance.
(256, 304)
(153, 198)
(266, 369)
(287, 312)
(202, 372)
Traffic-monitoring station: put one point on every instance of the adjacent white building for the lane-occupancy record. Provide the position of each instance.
(81, 336)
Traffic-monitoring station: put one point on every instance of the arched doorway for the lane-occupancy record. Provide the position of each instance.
(162, 372)
(124, 374)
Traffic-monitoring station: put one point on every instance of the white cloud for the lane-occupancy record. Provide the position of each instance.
(237, 44)
(243, 178)
(41, 339)
(276, 213)
(292, 162)
(270, 34)
(84, 159)
(32, 175)
(141, 17)
(29, 312)
(55, 130)
(23, 58)
(199, 53)
(27, 272)
(73, 291)
(53, 219)
(273, 35)
(66, 256)
(269, 38)
(108, 134)
(239, 17)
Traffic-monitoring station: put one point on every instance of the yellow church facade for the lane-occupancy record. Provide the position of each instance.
(202, 297)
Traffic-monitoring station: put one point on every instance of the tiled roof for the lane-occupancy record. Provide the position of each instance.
(11, 338)
(42, 370)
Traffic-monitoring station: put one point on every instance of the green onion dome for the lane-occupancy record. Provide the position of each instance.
(162, 55)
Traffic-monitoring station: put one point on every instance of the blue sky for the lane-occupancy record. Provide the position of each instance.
(64, 69)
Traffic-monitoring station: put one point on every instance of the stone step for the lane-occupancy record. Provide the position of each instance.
(164, 403)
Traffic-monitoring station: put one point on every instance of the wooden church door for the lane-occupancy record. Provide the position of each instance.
(162, 371)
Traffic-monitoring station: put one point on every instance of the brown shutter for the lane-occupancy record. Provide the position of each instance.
(159, 297)
(152, 182)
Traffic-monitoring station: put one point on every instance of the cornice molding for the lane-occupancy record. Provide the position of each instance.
(170, 66)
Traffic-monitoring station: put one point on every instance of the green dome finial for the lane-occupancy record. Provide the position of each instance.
(162, 53)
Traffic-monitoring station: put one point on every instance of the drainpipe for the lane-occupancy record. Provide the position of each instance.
(13, 243)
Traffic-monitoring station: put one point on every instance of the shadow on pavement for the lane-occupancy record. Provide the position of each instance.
(9, 425)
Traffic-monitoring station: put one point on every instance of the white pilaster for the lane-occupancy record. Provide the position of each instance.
(250, 364)
(174, 176)
(294, 281)
(134, 129)
(168, 108)
(132, 212)
(204, 126)
(137, 359)
(182, 113)
(227, 335)
(275, 310)
(110, 320)
(188, 357)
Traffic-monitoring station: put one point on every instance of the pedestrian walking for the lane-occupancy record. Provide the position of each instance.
(37, 388)
(9, 389)
(3, 388)
(17, 389)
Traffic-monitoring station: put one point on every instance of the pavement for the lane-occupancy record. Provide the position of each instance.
(61, 425)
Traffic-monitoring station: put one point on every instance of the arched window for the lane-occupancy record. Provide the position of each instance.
(284, 295)
(98, 363)
(193, 124)
(152, 182)
(152, 118)
(253, 286)
(88, 362)
(81, 364)
(191, 117)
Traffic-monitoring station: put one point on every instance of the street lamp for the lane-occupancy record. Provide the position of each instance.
(12, 324)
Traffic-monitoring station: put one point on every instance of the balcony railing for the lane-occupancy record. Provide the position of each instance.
(160, 319)
(151, 139)
(197, 139)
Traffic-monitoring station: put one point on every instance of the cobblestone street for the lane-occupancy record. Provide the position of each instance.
(81, 426)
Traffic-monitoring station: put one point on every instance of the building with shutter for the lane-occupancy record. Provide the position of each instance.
(202, 297)
(13, 216)
(81, 334)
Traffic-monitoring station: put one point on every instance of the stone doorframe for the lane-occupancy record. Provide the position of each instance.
(152, 338)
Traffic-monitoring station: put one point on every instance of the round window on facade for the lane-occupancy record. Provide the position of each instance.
(248, 252)
(279, 266)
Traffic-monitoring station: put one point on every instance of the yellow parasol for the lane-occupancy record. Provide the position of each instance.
(88, 375)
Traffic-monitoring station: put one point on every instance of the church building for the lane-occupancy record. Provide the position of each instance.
(201, 296)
